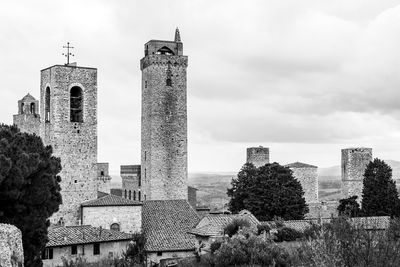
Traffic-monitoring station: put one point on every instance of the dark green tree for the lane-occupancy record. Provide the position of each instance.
(349, 207)
(29, 188)
(379, 194)
(267, 192)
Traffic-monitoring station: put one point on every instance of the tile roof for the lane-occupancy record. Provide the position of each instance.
(82, 234)
(300, 165)
(213, 225)
(166, 224)
(110, 200)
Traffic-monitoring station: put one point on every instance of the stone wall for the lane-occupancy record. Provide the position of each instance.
(153, 258)
(27, 123)
(259, 156)
(354, 163)
(131, 182)
(11, 251)
(308, 177)
(129, 218)
(192, 196)
(74, 142)
(164, 122)
(324, 209)
(103, 178)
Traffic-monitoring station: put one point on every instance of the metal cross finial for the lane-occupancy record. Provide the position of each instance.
(68, 53)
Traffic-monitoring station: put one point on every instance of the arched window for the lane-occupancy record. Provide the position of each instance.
(130, 194)
(125, 193)
(165, 51)
(47, 105)
(139, 196)
(134, 195)
(22, 108)
(114, 226)
(33, 108)
(76, 104)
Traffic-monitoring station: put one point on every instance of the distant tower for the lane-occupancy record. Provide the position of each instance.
(164, 120)
(103, 178)
(354, 163)
(68, 108)
(28, 119)
(259, 156)
(131, 182)
(307, 175)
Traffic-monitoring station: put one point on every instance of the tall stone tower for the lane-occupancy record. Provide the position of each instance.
(259, 156)
(164, 120)
(307, 175)
(28, 119)
(354, 163)
(68, 110)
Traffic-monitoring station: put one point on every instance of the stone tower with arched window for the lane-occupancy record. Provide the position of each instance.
(28, 119)
(164, 120)
(68, 108)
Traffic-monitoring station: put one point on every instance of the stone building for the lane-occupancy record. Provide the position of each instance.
(131, 182)
(164, 120)
(11, 250)
(28, 119)
(103, 178)
(354, 163)
(259, 156)
(113, 212)
(307, 175)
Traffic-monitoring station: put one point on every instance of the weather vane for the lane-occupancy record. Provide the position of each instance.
(68, 53)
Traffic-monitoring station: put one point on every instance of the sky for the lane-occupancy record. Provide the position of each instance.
(304, 78)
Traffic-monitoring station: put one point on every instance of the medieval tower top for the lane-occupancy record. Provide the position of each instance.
(28, 119)
(164, 120)
(259, 156)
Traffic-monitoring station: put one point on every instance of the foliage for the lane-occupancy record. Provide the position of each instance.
(135, 252)
(29, 188)
(261, 228)
(287, 234)
(253, 250)
(268, 191)
(349, 207)
(214, 246)
(341, 243)
(233, 227)
(380, 196)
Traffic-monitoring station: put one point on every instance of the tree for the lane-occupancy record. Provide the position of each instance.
(268, 191)
(379, 192)
(349, 207)
(29, 188)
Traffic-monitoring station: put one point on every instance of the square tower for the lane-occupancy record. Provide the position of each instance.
(259, 156)
(68, 111)
(164, 120)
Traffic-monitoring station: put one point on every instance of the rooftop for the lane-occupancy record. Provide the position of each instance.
(110, 200)
(166, 224)
(82, 234)
(300, 165)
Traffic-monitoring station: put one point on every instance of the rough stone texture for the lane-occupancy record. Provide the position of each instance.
(74, 142)
(11, 251)
(259, 156)
(308, 177)
(129, 218)
(192, 196)
(28, 119)
(103, 178)
(164, 121)
(325, 209)
(131, 182)
(354, 162)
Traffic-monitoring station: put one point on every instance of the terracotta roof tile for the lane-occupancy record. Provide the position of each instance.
(82, 234)
(166, 224)
(110, 200)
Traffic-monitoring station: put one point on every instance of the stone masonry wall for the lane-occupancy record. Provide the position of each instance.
(354, 162)
(11, 251)
(129, 218)
(259, 156)
(74, 142)
(308, 178)
(28, 123)
(164, 126)
(103, 178)
(131, 182)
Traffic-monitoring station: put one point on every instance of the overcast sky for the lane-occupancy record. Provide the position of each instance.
(304, 78)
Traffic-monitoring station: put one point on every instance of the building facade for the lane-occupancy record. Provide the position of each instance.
(132, 182)
(164, 120)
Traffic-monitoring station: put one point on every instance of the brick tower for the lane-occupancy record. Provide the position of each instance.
(354, 163)
(259, 156)
(68, 104)
(28, 119)
(164, 120)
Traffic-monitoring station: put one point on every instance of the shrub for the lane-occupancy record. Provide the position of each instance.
(215, 246)
(233, 227)
(287, 234)
(261, 228)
